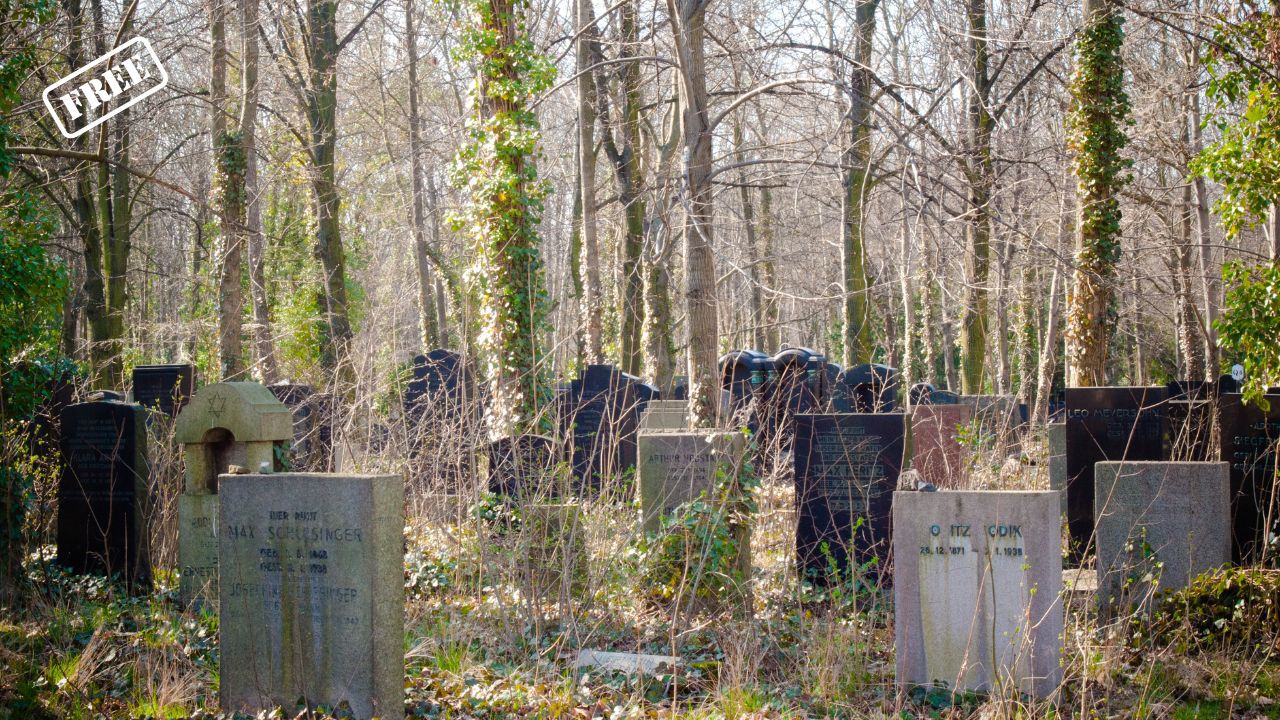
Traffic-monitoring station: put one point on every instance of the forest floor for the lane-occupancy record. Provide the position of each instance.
(79, 648)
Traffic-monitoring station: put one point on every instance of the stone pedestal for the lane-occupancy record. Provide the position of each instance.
(311, 592)
(977, 584)
(1159, 525)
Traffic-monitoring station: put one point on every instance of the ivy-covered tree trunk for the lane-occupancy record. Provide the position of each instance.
(1096, 137)
(498, 167)
(856, 319)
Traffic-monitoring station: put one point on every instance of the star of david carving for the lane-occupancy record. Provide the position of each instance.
(217, 405)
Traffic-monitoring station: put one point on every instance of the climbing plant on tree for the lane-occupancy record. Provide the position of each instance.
(497, 167)
(1096, 137)
(1244, 105)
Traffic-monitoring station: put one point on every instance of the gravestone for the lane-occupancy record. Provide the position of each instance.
(524, 467)
(677, 467)
(298, 399)
(846, 469)
(103, 491)
(866, 388)
(797, 385)
(443, 407)
(1057, 440)
(935, 445)
(1107, 423)
(743, 376)
(1159, 525)
(225, 424)
(665, 415)
(598, 418)
(164, 388)
(311, 597)
(1191, 413)
(977, 585)
(1249, 440)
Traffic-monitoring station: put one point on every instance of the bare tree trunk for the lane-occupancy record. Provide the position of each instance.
(979, 172)
(756, 307)
(264, 345)
(1048, 354)
(593, 302)
(857, 158)
(701, 324)
(429, 334)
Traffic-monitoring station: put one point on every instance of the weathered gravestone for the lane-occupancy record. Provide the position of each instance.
(311, 597)
(443, 407)
(524, 467)
(298, 399)
(1057, 441)
(936, 452)
(598, 418)
(164, 388)
(225, 424)
(866, 388)
(846, 469)
(1250, 438)
(977, 585)
(798, 384)
(1107, 423)
(1159, 525)
(678, 467)
(665, 415)
(103, 491)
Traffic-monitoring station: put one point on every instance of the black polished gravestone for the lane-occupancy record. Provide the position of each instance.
(1249, 440)
(1107, 423)
(599, 414)
(102, 493)
(524, 466)
(847, 468)
(866, 388)
(298, 399)
(797, 385)
(444, 385)
(165, 388)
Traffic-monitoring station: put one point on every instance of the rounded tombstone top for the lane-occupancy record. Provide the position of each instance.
(248, 410)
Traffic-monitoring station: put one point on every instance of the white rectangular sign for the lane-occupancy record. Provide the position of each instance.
(105, 87)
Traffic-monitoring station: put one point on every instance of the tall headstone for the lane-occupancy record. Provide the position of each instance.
(846, 469)
(312, 592)
(443, 409)
(598, 418)
(1057, 441)
(225, 424)
(743, 375)
(1107, 423)
(298, 399)
(867, 388)
(1250, 439)
(1159, 525)
(935, 441)
(977, 590)
(102, 494)
(164, 388)
(798, 384)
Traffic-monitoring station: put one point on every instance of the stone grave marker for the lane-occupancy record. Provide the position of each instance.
(164, 388)
(935, 443)
(1107, 423)
(312, 592)
(1249, 441)
(1057, 432)
(676, 467)
(443, 407)
(598, 418)
(524, 466)
(665, 415)
(846, 469)
(866, 388)
(298, 399)
(1175, 514)
(797, 385)
(225, 424)
(103, 491)
(977, 590)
